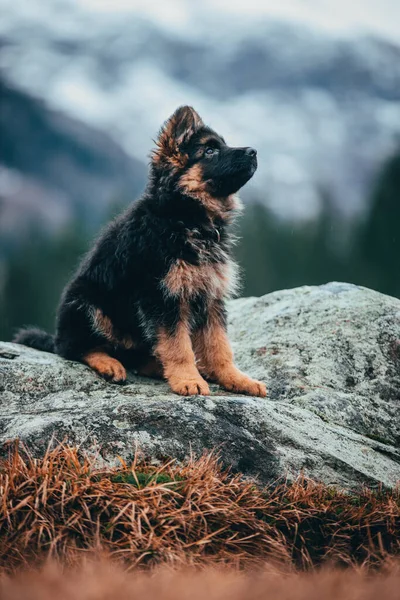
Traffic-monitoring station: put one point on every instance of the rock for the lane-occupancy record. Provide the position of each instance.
(330, 356)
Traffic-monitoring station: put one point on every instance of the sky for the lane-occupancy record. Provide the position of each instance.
(380, 17)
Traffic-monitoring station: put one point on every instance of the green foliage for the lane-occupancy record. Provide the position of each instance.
(35, 274)
(275, 254)
(142, 479)
(379, 239)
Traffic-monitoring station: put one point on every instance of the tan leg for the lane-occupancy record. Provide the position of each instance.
(177, 358)
(215, 360)
(108, 367)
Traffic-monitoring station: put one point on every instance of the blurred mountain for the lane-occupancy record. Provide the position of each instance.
(54, 168)
(322, 107)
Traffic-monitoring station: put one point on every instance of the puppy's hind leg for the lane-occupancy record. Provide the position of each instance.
(105, 365)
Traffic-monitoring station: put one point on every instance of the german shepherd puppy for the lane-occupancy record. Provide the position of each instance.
(151, 293)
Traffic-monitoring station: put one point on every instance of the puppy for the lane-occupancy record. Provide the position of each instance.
(150, 295)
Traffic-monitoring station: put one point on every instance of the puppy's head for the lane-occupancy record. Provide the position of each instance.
(201, 158)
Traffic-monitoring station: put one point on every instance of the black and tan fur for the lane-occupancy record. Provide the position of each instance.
(150, 295)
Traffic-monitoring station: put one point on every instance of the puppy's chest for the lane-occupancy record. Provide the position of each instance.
(213, 273)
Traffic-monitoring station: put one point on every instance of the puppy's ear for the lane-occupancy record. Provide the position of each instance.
(176, 131)
(183, 124)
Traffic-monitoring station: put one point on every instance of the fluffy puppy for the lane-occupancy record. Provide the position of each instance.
(150, 295)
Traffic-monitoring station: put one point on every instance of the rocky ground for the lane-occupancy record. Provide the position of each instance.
(330, 356)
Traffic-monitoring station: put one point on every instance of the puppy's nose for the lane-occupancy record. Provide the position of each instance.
(251, 152)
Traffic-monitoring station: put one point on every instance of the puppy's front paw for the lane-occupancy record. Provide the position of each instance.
(190, 387)
(241, 383)
(256, 388)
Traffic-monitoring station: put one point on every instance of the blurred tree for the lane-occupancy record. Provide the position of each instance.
(378, 252)
(276, 254)
(34, 276)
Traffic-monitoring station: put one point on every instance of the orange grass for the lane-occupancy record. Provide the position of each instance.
(105, 582)
(64, 508)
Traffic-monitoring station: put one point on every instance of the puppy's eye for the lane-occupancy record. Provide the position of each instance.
(210, 151)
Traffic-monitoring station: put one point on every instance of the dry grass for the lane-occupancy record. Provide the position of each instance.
(62, 507)
(105, 582)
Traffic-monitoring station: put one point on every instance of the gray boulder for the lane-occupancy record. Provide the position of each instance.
(330, 356)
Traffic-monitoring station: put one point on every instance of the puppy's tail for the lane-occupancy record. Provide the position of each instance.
(35, 338)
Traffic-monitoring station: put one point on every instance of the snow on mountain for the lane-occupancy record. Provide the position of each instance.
(53, 167)
(314, 86)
